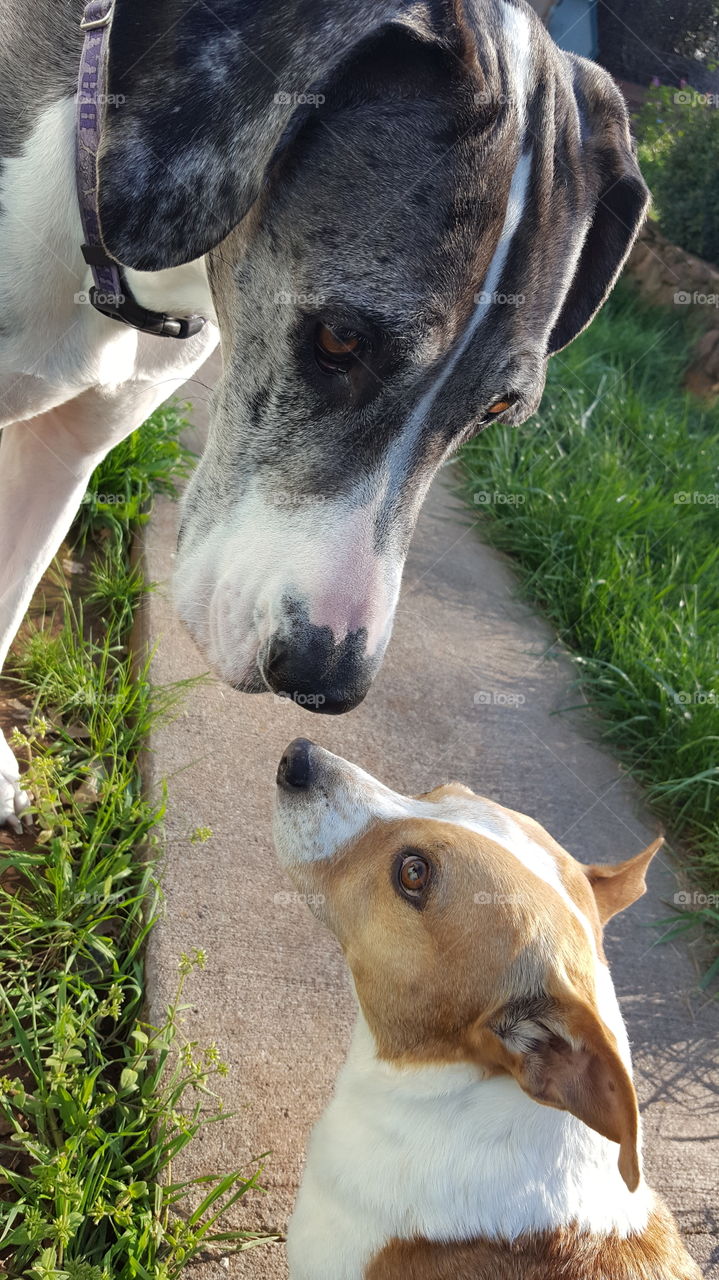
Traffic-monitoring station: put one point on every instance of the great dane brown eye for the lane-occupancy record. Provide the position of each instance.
(413, 875)
(334, 348)
(499, 406)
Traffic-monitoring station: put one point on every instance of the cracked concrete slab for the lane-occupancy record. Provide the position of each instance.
(470, 689)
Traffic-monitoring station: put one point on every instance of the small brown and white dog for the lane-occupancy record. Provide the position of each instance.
(485, 1124)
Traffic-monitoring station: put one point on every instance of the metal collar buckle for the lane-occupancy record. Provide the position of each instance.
(90, 24)
(126, 310)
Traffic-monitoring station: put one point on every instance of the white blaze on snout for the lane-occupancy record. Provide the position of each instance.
(343, 800)
(354, 589)
(406, 443)
(233, 586)
(518, 34)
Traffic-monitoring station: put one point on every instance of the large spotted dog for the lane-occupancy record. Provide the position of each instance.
(353, 193)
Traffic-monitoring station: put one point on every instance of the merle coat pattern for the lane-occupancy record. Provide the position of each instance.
(431, 188)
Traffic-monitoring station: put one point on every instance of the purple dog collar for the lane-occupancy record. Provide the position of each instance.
(110, 293)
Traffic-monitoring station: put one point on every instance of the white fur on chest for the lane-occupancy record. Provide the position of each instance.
(53, 344)
(442, 1153)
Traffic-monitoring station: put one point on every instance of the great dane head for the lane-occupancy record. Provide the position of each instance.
(407, 208)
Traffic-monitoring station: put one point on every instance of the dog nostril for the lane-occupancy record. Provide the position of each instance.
(295, 767)
(309, 668)
(276, 653)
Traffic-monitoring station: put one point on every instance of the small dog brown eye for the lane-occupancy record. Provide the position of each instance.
(499, 406)
(413, 875)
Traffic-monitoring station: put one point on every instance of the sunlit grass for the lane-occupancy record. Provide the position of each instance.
(95, 1103)
(614, 526)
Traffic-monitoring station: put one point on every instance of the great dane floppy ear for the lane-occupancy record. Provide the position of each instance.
(200, 98)
(620, 199)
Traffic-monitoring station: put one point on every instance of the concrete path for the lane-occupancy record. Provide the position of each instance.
(468, 691)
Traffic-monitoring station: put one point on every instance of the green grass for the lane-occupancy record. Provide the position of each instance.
(95, 1104)
(608, 501)
(148, 463)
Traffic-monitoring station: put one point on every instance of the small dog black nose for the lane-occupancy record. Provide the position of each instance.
(295, 767)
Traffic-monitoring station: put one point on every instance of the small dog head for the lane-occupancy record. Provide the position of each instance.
(471, 935)
(407, 208)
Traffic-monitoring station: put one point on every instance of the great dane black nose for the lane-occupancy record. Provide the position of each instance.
(307, 666)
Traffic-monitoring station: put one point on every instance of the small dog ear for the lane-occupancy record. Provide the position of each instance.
(617, 885)
(561, 1053)
(620, 202)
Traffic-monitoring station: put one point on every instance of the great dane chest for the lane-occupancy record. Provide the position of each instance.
(53, 344)
(95, 354)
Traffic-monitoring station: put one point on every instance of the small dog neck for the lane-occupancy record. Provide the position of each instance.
(467, 1156)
